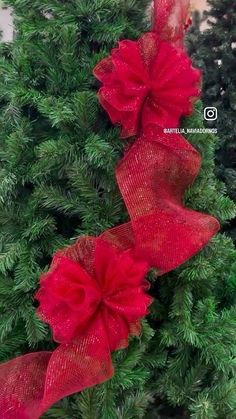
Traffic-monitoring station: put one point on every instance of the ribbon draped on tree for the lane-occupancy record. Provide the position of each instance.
(95, 293)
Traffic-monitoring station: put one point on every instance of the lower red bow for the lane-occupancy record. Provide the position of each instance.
(93, 297)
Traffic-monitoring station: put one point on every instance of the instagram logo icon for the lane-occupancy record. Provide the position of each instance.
(210, 114)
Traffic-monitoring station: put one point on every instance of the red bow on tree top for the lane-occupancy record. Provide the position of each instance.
(94, 295)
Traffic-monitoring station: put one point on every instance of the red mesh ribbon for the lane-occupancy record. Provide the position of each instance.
(153, 177)
(147, 85)
(171, 19)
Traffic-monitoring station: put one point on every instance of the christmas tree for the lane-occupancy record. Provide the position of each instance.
(58, 156)
(216, 54)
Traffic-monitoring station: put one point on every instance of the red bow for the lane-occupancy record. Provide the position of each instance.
(147, 82)
(93, 289)
(94, 295)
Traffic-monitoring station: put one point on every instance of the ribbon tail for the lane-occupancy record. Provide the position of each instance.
(22, 386)
(31, 384)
